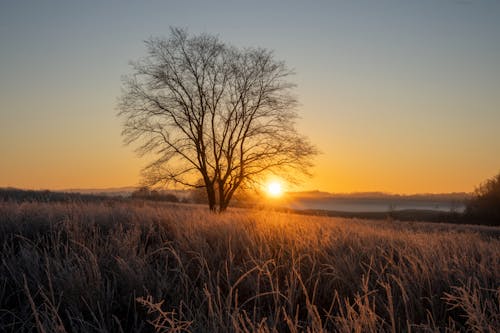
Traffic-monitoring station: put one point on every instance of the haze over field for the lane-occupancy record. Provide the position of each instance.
(399, 97)
(340, 202)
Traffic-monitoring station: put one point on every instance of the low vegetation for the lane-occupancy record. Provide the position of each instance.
(485, 204)
(144, 266)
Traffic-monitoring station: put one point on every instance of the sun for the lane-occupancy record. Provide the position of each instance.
(274, 189)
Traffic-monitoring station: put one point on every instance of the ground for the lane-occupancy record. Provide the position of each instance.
(137, 266)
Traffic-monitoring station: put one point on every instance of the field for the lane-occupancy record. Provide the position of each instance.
(139, 267)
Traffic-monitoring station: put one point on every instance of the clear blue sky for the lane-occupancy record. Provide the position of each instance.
(400, 96)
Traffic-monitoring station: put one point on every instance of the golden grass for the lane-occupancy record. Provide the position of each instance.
(135, 267)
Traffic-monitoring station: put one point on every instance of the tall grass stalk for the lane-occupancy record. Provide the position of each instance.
(138, 267)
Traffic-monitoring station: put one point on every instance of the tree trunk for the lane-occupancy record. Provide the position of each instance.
(222, 195)
(223, 206)
(226, 199)
(212, 203)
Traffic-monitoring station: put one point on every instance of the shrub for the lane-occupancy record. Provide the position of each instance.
(485, 204)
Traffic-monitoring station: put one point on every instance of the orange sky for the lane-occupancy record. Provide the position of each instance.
(399, 97)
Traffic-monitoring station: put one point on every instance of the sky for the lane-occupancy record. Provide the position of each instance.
(399, 96)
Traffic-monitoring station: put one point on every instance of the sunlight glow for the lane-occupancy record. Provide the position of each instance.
(274, 189)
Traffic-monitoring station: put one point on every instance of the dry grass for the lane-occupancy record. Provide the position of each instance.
(138, 267)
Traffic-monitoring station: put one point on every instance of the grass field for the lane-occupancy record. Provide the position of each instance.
(138, 267)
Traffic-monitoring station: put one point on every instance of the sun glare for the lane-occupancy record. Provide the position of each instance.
(274, 189)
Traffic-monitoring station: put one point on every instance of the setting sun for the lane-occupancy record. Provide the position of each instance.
(274, 189)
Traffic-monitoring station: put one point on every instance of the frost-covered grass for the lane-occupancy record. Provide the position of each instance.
(130, 267)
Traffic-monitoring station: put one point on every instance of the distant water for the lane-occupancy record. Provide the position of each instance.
(376, 206)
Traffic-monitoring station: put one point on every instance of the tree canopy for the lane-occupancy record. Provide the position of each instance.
(213, 115)
(484, 206)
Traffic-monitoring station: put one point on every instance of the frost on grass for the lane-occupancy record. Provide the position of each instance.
(130, 267)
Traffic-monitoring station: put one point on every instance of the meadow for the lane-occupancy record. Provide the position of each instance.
(141, 266)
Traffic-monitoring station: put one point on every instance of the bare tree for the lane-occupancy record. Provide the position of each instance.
(215, 116)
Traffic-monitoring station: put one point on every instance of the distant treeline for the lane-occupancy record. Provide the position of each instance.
(145, 193)
(18, 195)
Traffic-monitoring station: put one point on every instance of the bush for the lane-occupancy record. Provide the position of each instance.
(485, 204)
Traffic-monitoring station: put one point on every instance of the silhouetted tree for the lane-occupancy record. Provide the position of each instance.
(484, 206)
(209, 110)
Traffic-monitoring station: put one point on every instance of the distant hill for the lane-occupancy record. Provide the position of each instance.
(122, 191)
(380, 195)
(86, 195)
(18, 195)
(112, 191)
(376, 201)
